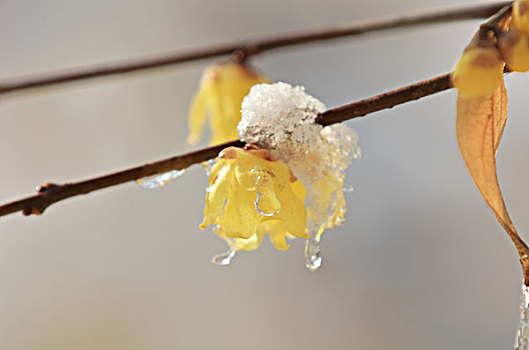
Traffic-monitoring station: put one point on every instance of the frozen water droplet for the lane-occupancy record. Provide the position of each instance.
(224, 259)
(312, 254)
(156, 181)
(259, 211)
(522, 337)
(348, 188)
(207, 165)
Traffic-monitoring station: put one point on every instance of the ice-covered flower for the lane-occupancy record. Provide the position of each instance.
(282, 119)
(220, 94)
(251, 194)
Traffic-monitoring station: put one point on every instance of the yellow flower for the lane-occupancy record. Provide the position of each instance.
(520, 15)
(515, 50)
(478, 72)
(222, 89)
(250, 194)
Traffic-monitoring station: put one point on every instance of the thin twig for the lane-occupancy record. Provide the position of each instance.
(385, 100)
(251, 46)
(52, 193)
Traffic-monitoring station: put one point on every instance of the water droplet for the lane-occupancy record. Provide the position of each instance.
(313, 258)
(207, 165)
(156, 181)
(259, 211)
(224, 259)
(348, 188)
(522, 337)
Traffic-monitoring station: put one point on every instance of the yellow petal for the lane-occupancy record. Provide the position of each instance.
(520, 15)
(262, 197)
(278, 234)
(478, 72)
(292, 212)
(251, 243)
(222, 89)
(276, 230)
(298, 189)
(240, 217)
(222, 178)
(515, 50)
(223, 122)
(197, 115)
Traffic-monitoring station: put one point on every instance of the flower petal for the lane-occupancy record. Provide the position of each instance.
(292, 212)
(240, 217)
(197, 115)
(251, 243)
(222, 178)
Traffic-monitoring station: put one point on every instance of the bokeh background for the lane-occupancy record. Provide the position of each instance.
(419, 264)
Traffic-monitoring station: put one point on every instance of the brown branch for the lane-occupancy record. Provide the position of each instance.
(385, 100)
(52, 193)
(251, 46)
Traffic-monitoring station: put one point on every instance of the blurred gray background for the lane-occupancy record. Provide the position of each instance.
(420, 263)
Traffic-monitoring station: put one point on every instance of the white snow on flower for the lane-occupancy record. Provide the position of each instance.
(281, 118)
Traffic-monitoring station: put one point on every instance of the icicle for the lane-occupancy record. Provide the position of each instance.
(313, 258)
(156, 181)
(348, 188)
(259, 211)
(224, 259)
(207, 165)
(522, 337)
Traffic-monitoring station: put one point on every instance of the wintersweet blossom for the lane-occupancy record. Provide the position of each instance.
(251, 194)
(520, 15)
(514, 44)
(220, 94)
(478, 71)
(282, 119)
(515, 50)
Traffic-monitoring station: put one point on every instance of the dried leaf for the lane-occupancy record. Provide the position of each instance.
(479, 127)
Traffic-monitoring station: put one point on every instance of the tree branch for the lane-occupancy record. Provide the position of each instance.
(385, 100)
(251, 46)
(49, 194)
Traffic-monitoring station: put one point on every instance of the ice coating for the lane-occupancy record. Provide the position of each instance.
(522, 337)
(281, 118)
(157, 181)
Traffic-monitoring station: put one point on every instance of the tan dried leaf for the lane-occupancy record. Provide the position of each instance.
(479, 127)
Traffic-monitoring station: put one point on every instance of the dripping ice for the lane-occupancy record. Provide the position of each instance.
(160, 180)
(224, 259)
(156, 181)
(522, 337)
